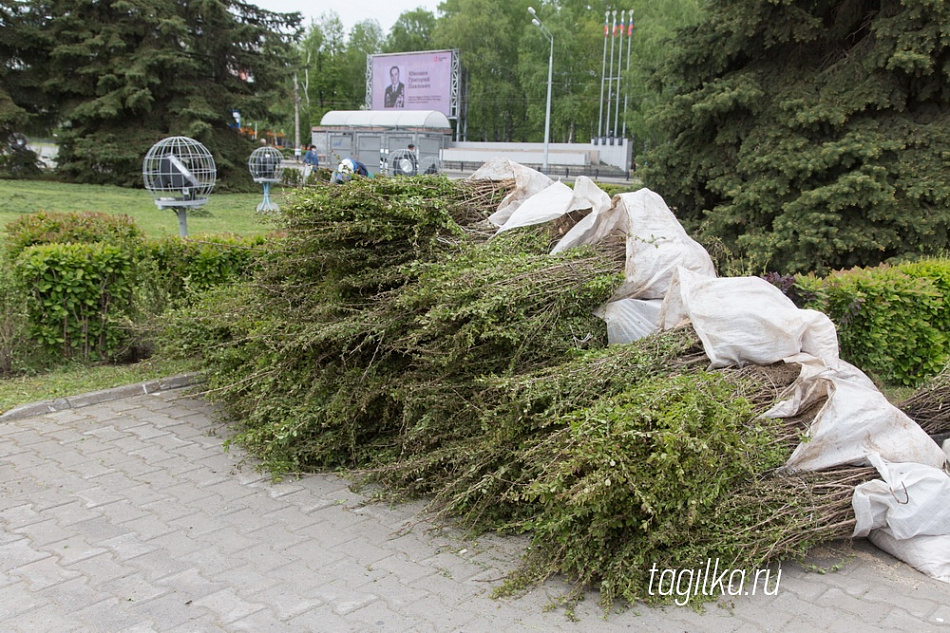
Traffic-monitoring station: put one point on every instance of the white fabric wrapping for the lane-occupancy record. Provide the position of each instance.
(557, 200)
(528, 182)
(670, 280)
(629, 320)
(593, 228)
(544, 206)
(907, 513)
(657, 245)
(743, 320)
(855, 420)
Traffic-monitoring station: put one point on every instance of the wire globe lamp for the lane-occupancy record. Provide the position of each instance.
(180, 173)
(264, 164)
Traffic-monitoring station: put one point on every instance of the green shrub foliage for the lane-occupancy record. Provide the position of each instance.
(79, 297)
(891, 321)
(14, 344)
(91, 300)
(46, 227)
(810, 137)
(185, 267)
(938, 272)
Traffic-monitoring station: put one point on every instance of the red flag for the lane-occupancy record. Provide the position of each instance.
(606, 24)
(630, 29)
(618, 28)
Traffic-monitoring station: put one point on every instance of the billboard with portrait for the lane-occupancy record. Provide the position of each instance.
(425, 80)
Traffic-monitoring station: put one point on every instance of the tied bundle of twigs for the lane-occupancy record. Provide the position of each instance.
(929, 406)
(478, 199)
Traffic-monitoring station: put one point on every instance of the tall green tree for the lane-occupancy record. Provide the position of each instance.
(653, 36)
(578, 34)
(811, 135)
(325, 50)
(23, 105)
(487, 34)
(124, 73)
(366, 38)
(412, 31)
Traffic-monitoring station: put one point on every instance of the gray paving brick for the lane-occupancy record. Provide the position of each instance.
(249, 580)
(133, 588)
(98, 496)
(160, 563)
(286, 603)
(259, 622)
(21, 514)
(940, 616)
(40, 621)
(72, 595)
(407, 570)
(73, 549)
(44, 573)
(226, 606)
(70, 513)
(190, 584)
(101, 568)
(165, 612)
(128, 546)
(147, 526)
(322, 619)
(19, 552)
(130, 516)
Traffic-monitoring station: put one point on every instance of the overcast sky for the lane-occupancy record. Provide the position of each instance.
(350, 11)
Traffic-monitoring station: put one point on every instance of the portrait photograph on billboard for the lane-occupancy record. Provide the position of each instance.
(425, 80)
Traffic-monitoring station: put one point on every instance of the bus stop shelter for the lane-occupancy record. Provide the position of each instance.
(371, 136)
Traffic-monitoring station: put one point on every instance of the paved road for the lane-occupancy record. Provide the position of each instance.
(129, 516)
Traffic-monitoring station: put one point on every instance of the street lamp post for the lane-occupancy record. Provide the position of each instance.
(547, 109)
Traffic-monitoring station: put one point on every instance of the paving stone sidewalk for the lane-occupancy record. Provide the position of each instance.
(130, 516)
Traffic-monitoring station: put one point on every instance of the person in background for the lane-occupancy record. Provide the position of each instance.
(311, 161)
(414, 158)
(348, 168)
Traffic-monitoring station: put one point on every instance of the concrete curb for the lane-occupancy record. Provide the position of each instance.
(106, 395)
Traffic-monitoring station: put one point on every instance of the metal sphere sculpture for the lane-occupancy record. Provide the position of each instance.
(264, 164)
(403, 163)
(180, 173)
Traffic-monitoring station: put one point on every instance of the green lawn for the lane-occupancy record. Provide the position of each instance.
(224, 213)
(71, 380)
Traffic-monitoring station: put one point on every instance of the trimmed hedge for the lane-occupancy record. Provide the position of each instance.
(92, 279)
(14, 343)
(45, 227)
(187, 266)
(892, 321)
(77, 295)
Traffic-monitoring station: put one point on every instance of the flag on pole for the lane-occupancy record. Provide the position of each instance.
(607, 24)
(618, 28)
(623, 24)
(630, 28)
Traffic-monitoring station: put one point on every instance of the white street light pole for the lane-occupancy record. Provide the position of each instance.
(547, 111)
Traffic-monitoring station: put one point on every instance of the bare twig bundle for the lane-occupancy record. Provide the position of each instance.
(478, 199)
(787, 514)
(929, 406)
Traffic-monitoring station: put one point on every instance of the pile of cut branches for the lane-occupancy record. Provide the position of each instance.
(388, 335)
(929, 406)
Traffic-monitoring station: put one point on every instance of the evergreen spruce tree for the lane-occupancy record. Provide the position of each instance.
(118, 75)
(22, 102)
(810, 135)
